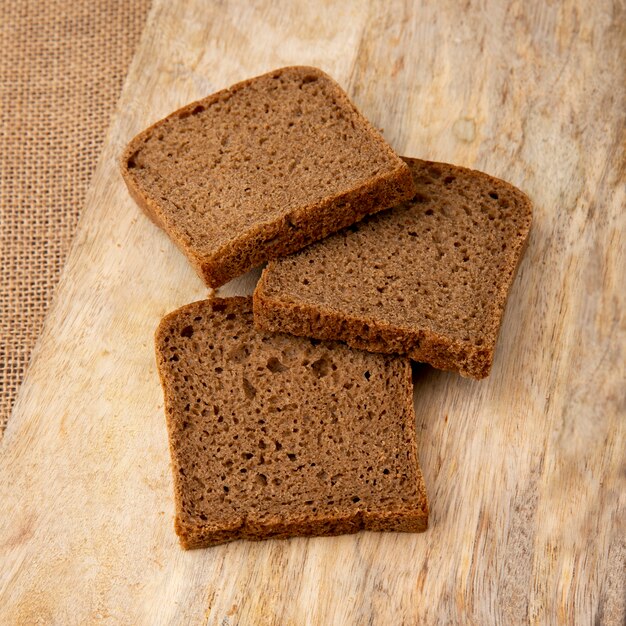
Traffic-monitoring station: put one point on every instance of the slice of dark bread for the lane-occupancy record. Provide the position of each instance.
(428, 278)
(274, 435)
(261, 170)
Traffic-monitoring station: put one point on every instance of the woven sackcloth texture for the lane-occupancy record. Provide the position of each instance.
(62, 65)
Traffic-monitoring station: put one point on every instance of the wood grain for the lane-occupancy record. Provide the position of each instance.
(525, 470)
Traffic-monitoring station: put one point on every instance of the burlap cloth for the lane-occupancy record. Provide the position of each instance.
(62, 65)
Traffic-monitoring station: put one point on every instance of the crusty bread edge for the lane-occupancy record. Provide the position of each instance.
(278, 314)
(297, 318)
(292, 232)
(405, 519)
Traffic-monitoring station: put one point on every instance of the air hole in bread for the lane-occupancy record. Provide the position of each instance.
(275, 366)
(321, 367)
(248, 388)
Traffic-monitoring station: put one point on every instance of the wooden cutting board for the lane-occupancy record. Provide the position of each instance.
(525, 470)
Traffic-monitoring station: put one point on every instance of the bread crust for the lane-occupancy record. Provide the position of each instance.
(278, 315)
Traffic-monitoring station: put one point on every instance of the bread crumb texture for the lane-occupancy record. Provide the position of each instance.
(428, 278)
(273, 435)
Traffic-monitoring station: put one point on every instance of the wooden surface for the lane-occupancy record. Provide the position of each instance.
(525, 470)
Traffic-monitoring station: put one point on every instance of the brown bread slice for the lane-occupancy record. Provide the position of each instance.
(262, 169)
(428, 278)
(274, 435)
